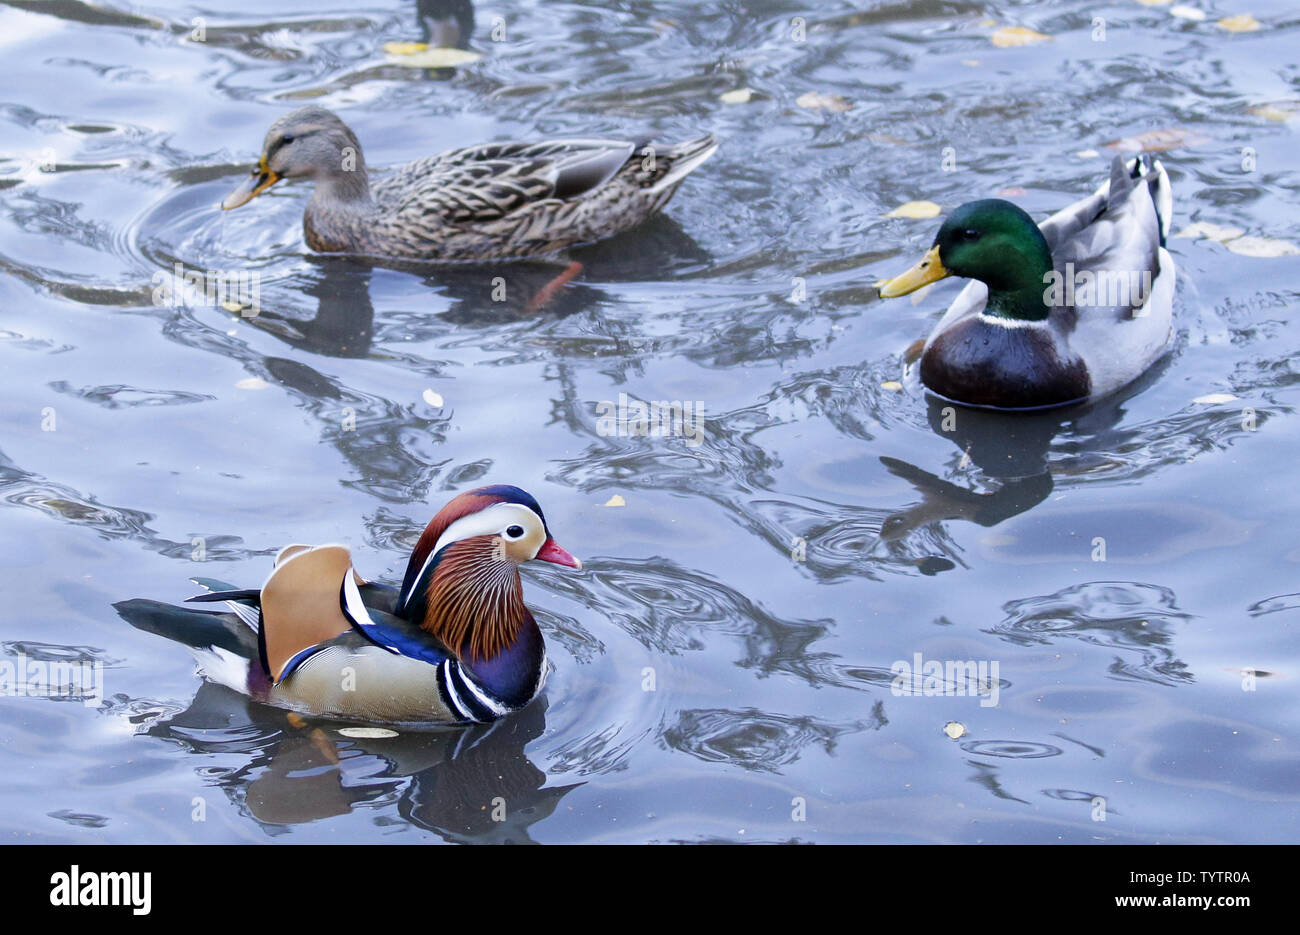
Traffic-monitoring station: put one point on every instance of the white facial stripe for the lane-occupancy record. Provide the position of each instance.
(488, 522)
(485, 522)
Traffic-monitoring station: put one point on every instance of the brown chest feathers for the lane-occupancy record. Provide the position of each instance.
(475, 602)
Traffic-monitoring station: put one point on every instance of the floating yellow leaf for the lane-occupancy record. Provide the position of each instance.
(1241, 23)
(832, 102)
(367, 733)
(1262, 247)
(887, 138)
(738, 96)
(1214, 399)
(435, 58)
(404, 48)
(252, 383)
(433, 399)
(892, 385)
(986, 23)
(1210, 231)
(1156, 141)
(915, 210)
(1233, 238)
(1182, 11)
(996, 540)
(1278, 111)
(1010, 36)
(955, 729)
(616, 500)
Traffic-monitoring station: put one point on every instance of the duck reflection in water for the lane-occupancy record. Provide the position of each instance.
(470, 785)
(565, 283)
(1010, 448)
(481, 295)
(344, 323)
(445, 24)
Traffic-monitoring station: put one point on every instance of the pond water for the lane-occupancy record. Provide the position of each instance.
(723, 667)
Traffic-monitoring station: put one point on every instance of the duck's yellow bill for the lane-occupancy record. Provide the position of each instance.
(929, 270)
(258, 181)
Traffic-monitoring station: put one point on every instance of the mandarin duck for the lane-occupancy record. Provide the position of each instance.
(454, 645)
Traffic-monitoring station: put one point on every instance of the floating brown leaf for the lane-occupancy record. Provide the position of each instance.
(1157, 141)
(832, 102)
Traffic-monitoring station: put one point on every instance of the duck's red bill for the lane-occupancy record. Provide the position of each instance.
(551, 551)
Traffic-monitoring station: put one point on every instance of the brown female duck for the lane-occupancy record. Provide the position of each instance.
(494, 201)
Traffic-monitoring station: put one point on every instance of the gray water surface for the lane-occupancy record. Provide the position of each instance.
(762, 582)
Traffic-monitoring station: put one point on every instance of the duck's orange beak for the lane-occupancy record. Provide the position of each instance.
(551, 551)
(259, 180)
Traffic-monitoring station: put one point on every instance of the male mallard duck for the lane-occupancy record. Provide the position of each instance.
(454, 645)
(495, 201)
(1059, 312)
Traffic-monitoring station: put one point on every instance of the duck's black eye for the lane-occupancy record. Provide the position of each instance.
(514, 532)
(970, 234)
(286, 140)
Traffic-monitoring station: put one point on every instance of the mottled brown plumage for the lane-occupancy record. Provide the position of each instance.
(493, 201)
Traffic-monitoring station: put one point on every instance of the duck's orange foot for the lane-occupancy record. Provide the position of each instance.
(548, 291)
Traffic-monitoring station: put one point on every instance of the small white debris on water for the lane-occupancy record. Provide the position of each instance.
(367, 733)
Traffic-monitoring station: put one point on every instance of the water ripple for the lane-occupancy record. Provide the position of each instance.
(755, 740)
(1139, 620)
(1011, 749)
